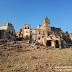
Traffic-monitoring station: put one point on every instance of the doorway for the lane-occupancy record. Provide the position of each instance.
(48, 43)
(56, 44)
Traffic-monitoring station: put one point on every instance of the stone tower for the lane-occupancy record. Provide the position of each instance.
(26, 31)
(46, 24)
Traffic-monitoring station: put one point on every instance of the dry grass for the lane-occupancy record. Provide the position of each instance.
(36, 60)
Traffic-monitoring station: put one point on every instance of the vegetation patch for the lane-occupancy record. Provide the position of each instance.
(34, 57)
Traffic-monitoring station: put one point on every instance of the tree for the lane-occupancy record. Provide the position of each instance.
(67, 39)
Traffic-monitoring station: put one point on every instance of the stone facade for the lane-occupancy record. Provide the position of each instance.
(17, 34)
(2, 34)
(7, 32)
(27, 31)
(70, 35)
(42, 34)
(21, 33)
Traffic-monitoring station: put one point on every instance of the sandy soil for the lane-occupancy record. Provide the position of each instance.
(30, 59)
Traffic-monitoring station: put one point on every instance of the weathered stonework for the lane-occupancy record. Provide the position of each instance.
(7, 32)
(70, 35)
(42, 34)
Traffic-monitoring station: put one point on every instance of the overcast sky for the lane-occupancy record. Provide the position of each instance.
(20, 12)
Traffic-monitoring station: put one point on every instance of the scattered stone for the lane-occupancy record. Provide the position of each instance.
(1, 43)
(8, 54)
(29, 41)
(29, 45)
(17, 70)
(38, 47)
(19, 46)
(41, 66)
(14, 42)
(37, 44)
(36, 69)
(41, 44)
(70, 46)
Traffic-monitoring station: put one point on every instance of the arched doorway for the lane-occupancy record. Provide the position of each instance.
(56, 44)
(48, 43)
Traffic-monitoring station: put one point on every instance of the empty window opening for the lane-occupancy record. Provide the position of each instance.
(39, 38)
(28, 27)
(48, 43)
(25, 27)
(56, 44)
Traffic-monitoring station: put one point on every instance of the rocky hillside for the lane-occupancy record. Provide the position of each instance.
(21, 56)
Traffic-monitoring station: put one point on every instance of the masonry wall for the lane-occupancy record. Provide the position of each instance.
(2, 34)
(71, 36)
(9, 32)
(27, 33)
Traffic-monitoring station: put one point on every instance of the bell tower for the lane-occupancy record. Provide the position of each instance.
(46, 24)
(26, 31)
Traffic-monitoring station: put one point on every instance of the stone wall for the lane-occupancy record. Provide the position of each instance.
(10, 33)
(70, 36)
(27, 32)
(2, 34)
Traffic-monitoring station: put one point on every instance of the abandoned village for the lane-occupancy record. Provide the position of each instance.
(43, 34)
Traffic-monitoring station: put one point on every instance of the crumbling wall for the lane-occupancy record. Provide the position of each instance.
(2, 34)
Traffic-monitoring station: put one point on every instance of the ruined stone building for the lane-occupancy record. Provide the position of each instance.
(17, 34)
(43, 34)
(7, 31)
(70, 35)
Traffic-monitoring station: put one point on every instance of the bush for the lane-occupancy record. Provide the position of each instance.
(67, 39)
(34, 57)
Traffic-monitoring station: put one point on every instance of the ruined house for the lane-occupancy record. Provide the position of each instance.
(7, 31)
(17, 34)
(70, 35)
(43, 34)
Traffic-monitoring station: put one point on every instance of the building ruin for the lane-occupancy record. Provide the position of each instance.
(7, 32)
(43, 34)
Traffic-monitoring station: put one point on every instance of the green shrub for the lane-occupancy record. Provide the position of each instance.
(67, 39)
(34, 57)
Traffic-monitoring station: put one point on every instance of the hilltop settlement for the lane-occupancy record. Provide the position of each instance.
(43, 49)
(44, 35)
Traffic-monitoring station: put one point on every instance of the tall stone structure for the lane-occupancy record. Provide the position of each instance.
(46, 24)
(70, 36)
(26, 31)
(42, 34)
(7, 32)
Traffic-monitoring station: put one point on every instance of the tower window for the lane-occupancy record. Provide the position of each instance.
(39, 38)
(28, 27)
